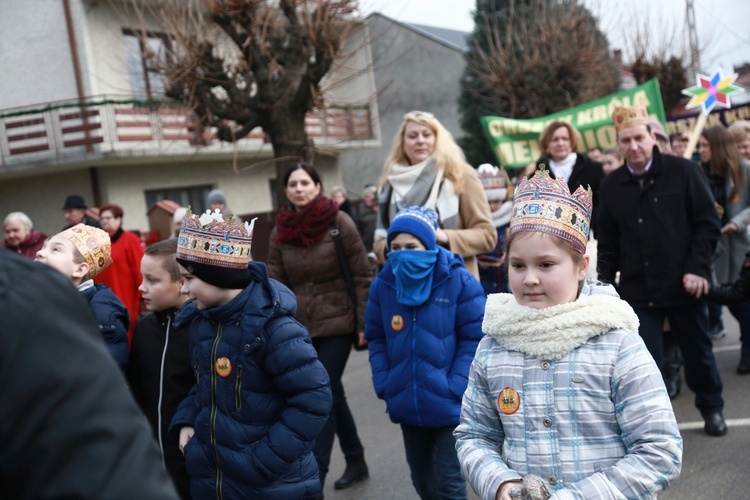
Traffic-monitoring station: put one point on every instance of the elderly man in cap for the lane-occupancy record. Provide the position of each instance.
(658, 227)
(74, 211)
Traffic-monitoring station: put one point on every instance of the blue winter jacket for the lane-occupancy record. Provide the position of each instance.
(261, 397)
(113, 320)
(420, 356)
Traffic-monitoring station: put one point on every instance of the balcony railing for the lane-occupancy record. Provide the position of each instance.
(70, 131)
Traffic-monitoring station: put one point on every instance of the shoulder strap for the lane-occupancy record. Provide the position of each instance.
(344, 265)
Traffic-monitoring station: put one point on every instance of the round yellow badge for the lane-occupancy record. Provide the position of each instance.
(397, 322)
(508, 401)
(223, 367)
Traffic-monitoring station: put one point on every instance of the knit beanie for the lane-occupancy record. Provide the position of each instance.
(421, 222)
(216, 195)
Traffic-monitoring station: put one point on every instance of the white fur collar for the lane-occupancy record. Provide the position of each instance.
(553, 332)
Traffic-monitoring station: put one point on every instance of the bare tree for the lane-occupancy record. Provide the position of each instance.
(242, 64)
(657, 46)
(531, 58)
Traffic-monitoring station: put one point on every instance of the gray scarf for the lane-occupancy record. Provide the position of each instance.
(420, 185)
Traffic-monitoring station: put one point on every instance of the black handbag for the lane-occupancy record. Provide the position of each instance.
(349, 284)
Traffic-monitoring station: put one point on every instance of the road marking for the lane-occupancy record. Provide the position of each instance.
(731, 422)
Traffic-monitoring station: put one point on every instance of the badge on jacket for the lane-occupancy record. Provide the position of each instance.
(397, 322)
(223, 367)
(509, 401)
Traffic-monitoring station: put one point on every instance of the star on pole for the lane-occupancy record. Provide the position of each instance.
(711, 91)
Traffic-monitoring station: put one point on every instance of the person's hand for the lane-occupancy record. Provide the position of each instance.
(186, 434)
(442, 237)
(362, 341)
(536, 488)
(505, 489)
(695, 285)
(730, 228)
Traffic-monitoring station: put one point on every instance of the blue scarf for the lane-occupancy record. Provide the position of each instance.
(413, 270)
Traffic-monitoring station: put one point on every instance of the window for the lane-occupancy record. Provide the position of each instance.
(193, 197)
(145, 53)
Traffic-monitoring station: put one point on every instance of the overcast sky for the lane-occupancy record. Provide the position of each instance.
(726, 21)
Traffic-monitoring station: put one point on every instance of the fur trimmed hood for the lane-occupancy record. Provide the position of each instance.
(553, 332)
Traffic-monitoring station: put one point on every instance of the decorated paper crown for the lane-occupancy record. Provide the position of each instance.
(212, 240)
(629, 117)
(496, 183)
(545, 205)
(93, 244)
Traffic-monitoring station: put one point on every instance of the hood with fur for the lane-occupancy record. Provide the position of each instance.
(553, 332)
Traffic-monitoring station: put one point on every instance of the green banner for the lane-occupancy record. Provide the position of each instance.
(516, 142)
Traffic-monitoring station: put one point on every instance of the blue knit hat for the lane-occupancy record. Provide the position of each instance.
(421, 222)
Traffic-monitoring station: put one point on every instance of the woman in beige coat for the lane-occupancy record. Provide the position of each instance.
(303, 256)
(427, 168)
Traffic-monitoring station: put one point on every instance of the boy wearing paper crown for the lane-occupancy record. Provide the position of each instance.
(80, 253)
(658, 226)
(499, 190)
(261, 397)
(423, 324)
(563, 397)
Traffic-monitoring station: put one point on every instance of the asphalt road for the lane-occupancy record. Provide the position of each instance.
(713, 468)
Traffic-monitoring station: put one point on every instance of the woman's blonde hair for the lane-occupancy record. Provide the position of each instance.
(546, 136)
(447, 154)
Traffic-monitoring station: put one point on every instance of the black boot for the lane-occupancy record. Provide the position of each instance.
(672, 365)
(354, 473)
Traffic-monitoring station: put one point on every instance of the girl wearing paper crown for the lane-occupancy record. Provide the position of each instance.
(261, 396)
(499, 190)
(563, 397)
(423, 325)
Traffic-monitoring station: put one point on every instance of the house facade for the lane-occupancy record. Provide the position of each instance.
(81, 112)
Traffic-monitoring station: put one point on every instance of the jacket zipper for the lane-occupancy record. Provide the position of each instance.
(161, 391)
(238, 389)
(214, 412)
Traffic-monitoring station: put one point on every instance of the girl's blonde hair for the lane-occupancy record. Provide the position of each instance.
(447, 154)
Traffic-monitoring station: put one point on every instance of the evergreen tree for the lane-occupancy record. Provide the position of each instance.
(527, 59)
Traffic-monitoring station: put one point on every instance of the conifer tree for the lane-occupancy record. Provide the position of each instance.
(527, 59)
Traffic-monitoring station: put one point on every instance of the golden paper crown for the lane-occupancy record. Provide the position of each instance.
(544, 204)
(629, 117)
(94, 245)
(210, 239)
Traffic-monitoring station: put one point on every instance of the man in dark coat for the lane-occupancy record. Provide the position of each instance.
(658, 227)
(74, 211)
(69, 427)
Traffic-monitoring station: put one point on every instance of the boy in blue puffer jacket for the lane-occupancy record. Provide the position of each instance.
(423, 324)
(261, 396)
